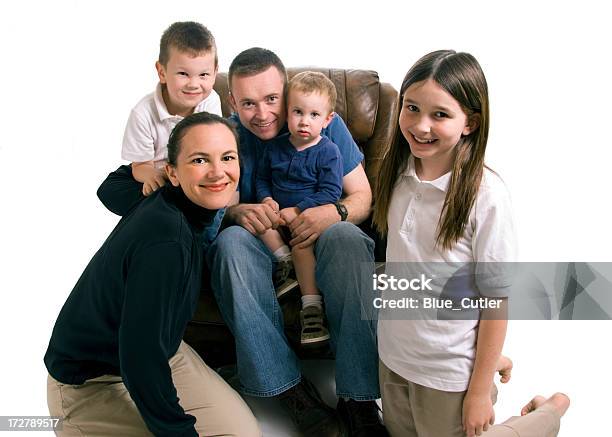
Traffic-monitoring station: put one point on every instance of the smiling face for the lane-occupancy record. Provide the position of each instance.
(207, 167)
(189, 80)
(433, 122)
(307, 114)
(259, 102)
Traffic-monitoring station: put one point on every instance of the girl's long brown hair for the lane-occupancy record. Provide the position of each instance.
(460, 75)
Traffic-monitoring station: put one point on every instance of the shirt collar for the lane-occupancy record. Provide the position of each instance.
(160, 105)
(440, 183)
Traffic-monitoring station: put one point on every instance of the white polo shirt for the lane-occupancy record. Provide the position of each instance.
(149, 126)
(440, 353)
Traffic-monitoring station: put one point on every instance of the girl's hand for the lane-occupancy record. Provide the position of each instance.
(478, 413)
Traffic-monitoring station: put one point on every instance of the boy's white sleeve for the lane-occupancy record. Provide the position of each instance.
(138, 141)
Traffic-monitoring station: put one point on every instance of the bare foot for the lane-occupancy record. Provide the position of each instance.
(533, 404)
(558, 402)
(504, 368)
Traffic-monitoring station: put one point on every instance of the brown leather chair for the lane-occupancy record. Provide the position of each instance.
(370, 110)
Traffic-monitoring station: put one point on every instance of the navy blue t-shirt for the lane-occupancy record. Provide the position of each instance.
(301, 178)
(251, 151)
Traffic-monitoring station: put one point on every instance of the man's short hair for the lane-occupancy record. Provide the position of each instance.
(254, 61)
(188, 37)
(311, 81)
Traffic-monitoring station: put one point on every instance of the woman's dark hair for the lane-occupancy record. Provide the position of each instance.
(181, 129)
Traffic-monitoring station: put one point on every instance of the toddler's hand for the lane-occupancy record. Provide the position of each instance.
(271, 203)
(289, 214)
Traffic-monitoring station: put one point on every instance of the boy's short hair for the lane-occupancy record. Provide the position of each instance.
(254, 61)
(312, 81)
(188, 37)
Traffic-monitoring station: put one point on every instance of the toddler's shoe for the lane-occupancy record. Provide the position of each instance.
(312, 320)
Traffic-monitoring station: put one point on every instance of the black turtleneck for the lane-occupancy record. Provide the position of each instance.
(128, 311)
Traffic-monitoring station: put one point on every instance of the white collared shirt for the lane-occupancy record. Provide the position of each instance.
(440, 353)
(149, 126)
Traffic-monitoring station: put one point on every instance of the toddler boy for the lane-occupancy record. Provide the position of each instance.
(300, 170)
(187, 68)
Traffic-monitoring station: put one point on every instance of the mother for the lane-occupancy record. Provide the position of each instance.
(116, 361)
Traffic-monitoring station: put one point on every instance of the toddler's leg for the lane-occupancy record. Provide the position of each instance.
(304, 263)
(273, 239)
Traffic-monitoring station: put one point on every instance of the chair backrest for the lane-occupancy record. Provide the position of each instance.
(369, 108)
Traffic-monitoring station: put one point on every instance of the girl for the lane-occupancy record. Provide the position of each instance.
(438, 202)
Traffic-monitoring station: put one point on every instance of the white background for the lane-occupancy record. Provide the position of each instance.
(71, 72)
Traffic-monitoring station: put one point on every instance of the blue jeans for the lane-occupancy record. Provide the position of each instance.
(241, 278)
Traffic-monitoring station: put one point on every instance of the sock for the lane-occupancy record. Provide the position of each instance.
(282, 253)
(312, 300)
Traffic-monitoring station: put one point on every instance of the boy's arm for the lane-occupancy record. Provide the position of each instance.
(139, 148)
(120, 192)
(329, 183)
(478, 411)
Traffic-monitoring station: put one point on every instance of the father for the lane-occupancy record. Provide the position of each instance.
(242, 266)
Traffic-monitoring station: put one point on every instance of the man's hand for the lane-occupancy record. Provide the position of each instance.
(478, 413)
(256, 218)
(310, 224)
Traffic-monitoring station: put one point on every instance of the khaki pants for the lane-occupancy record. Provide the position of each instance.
(103, 406)
(411, 410)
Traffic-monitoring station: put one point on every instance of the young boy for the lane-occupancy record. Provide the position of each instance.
(300, 170)
(187, 67)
